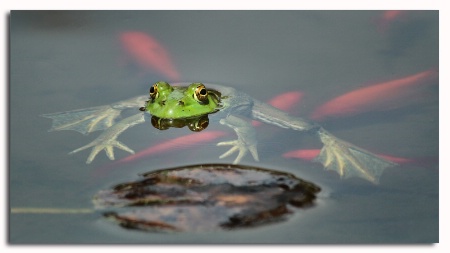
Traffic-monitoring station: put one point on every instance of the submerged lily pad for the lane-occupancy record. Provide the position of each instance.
(205, 197)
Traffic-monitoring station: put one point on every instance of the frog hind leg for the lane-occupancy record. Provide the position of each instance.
(349, 160)
(84, 120)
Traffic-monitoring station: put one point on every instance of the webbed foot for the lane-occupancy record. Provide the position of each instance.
(99, 145)
(84, 120)
(349, 160)
(240, 146)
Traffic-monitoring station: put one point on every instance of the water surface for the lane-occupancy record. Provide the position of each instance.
(64, 60)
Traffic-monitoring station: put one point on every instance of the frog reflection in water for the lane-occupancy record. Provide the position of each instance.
(181, 102)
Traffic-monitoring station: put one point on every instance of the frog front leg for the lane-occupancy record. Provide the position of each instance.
(245, 142)
(108, 139)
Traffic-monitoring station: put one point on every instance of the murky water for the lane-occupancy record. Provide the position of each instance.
(63, 61)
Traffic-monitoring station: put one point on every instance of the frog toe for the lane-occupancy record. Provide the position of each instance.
(241, 148)
(242, 153)
(110, 152)
(109, 149)
(94, 153)
(254, 151)
(124, 147)
(82, 148)
(233, 149)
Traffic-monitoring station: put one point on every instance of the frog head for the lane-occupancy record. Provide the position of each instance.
(173, 102)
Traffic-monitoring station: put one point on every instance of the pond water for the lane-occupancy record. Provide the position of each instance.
(67, 60)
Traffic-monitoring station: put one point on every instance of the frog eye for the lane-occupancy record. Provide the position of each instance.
(154, 91)
(201, 94)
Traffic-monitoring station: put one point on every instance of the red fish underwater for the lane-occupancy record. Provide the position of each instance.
(388, 18)
(310, 154)
(380, 96)
(148, 53)
(174, 144)
(286, 101)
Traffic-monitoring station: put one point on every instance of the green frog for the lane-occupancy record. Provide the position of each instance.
(182, 102)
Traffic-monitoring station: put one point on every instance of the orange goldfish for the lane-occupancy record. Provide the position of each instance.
(310, 154)
(148, 53)
(387, 18)
(177, 143)
(380, 96)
